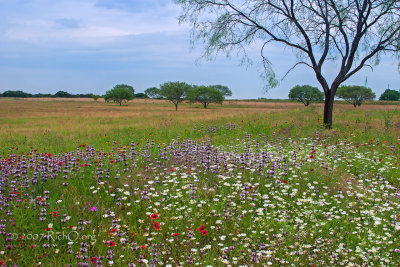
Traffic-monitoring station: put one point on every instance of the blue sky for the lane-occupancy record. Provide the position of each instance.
(88, 46)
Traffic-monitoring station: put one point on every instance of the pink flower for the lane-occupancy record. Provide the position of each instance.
(93, 209)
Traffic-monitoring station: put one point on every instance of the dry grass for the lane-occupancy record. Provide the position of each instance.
(37, 120)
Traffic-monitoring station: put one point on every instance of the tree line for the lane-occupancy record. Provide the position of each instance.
(353, 94)
(175, 92)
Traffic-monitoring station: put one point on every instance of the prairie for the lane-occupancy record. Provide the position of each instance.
(244, 183)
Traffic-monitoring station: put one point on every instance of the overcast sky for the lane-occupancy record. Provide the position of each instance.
(88, 46)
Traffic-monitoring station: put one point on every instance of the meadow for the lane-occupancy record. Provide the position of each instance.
(244, 183)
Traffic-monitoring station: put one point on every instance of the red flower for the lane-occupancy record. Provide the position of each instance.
(175, 234)
(201, 228)
(284, 181)
(1, 263)
(154, 216)
(311, 156)
(48, 229)
(172, 169)
(93, 260)
(54, 213)
(143, 247)
(111, 161)
(111, 243)
(113, 230)
(156, 225)
(204, 232)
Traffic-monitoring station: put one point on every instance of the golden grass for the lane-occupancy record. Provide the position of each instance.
(37, 120)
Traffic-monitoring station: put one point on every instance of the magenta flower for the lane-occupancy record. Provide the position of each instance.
(93, 209)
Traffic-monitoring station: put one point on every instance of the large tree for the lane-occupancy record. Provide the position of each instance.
(355, 33)
(120, 93)
(391, 95)
(306, 94)
(205, 95)
(355, 94)
(174, 92)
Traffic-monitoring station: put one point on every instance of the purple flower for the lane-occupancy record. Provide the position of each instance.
(93, 209)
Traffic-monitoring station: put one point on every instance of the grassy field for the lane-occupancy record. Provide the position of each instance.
(244, 183)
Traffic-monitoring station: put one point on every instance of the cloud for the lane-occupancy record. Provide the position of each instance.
(68, 23)
(86, 22)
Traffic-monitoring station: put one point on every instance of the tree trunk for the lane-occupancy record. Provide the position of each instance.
(328, 109)
(176, 107)
(205, 105)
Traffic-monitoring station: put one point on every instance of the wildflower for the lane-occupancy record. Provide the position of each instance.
(93, 209)
(54, 214)
(156, 225)
(175, 234)
(143, 247)
(113, 231)
(93, 260)
(154, 216)
(204, 232)
(111, 243)
(201, 228)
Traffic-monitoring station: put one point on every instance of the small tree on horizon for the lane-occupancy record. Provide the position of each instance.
(174, 92)
(120, 93)
(355, 94)
(390, 95)
(205, 95)
(306, 94)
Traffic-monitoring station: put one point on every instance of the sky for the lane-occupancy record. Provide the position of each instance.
(89, 46)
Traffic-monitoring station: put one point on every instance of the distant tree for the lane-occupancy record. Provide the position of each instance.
(95, 97)
(174, 91)
(42, 95)
(141, 95)
(205, 95)
(306, 94)
(355, 94)
(391, 95)
(153, 92)
(16, 94)
(62, 94)
(223, 89)
(120, 93)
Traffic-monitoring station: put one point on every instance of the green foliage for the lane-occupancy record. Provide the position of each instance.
(355, 94)
(15, 94)
(153, 92)
(120, 93)
(390, 95)
(95, 97)
(174, 91)
(205, 95)
(62, 94)
(223, 89)
(306, 94)
(141, 95)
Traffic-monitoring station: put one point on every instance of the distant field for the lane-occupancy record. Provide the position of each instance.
(85, 183)
(58, 123)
